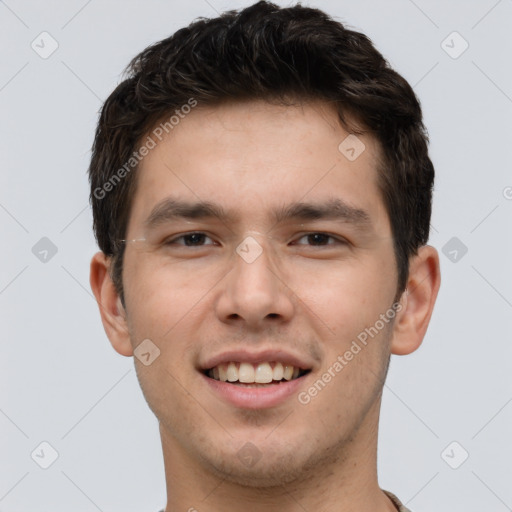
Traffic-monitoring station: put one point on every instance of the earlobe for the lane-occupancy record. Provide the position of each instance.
(112, 312)
(417, 301)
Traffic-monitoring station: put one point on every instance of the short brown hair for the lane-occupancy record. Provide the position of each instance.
(270, 53)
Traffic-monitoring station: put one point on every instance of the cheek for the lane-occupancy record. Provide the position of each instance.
(349, 302)
(161, 297)
(169, 399)
(347, 297)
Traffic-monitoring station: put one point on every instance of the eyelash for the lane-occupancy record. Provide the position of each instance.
(173, 240)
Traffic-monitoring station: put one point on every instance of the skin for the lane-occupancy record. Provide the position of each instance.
(313, 300)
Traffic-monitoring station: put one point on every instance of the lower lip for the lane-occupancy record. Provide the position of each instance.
(255, 398)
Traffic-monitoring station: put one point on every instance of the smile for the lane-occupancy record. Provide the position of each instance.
(256, 374)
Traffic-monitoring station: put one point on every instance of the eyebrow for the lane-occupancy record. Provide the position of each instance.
(331, 209)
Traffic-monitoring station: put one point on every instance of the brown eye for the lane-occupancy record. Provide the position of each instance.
(320, 239)
(189, 239)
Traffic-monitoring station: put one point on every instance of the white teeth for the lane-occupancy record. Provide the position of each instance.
(288, 372)
(278, 371)
(232, 372)
(264, 373)
(223, 372)
(248, 373)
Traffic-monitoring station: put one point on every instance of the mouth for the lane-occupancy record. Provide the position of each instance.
(256, 380)
(255, 375)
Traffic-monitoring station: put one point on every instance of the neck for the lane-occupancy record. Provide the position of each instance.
(345, 481)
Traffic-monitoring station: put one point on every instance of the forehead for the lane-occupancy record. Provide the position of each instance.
(255, 157)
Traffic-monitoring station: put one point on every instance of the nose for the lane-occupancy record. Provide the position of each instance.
(254, 292)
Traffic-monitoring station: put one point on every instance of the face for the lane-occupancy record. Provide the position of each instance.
(291, 274)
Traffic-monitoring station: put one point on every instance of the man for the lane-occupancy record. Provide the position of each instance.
(261, 190)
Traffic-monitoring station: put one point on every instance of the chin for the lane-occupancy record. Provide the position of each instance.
(264, 474)
(277, 465)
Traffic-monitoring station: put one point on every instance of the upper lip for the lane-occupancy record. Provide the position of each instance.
(245, 356)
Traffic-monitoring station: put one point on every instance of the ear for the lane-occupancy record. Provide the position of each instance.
(417, 302)
(112, 312)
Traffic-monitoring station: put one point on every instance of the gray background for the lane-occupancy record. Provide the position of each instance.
(60, 380)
